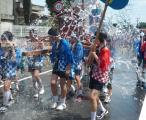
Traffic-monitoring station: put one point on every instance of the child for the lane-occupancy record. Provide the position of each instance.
(8, 67)
(35, 62)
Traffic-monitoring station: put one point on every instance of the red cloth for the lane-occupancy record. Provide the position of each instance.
(104, 58)
(99, 75)
(101, 72)
(143, 49)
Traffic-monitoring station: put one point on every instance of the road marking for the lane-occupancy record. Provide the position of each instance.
(143, 110)
(29, 77)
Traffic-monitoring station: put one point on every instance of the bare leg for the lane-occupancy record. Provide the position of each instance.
(7, 92)
(63, 87)
(54, 79)
(94, 103)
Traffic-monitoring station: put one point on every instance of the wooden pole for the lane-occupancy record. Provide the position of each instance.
(83, 4)
(102, 18)
(83, 8)
(93, 47)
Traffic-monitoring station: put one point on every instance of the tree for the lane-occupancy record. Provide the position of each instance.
(142, 25)
(57, 16)
(27, 7)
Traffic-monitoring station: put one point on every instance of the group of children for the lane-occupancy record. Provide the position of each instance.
(67, 57)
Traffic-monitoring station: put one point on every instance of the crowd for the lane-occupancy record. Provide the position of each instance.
(140, 52)
(69, 57)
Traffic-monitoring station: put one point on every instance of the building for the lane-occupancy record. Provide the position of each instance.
(19, 17)
(11, 12)
(6, 14)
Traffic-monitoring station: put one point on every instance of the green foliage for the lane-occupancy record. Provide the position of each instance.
(66, 3)
(142, 25)
(50, 4)
(54, 22)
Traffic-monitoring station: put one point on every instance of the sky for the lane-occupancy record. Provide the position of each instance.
(139, 9)
(135, 10)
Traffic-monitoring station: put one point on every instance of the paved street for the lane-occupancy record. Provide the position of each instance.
(62, 32)
(125, 105)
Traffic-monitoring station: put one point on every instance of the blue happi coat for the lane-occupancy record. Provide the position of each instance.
(61, 55)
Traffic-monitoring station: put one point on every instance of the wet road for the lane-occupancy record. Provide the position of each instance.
(126, 101)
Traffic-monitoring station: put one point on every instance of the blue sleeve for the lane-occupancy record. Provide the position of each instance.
(1, 52)
(79, 53)
(138, 47)
(68, 52)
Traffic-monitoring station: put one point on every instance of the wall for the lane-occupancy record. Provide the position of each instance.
(5, 26)
(6, 7)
